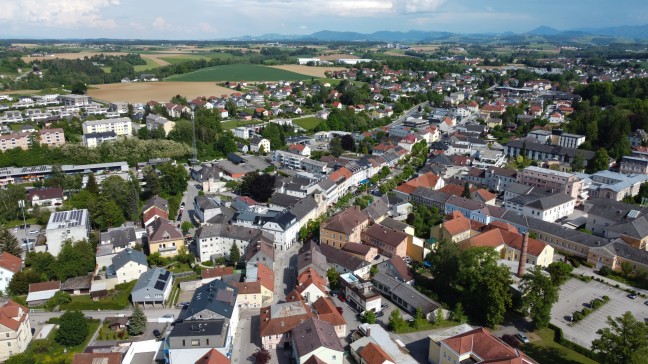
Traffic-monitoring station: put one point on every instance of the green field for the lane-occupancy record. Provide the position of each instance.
(238, 72)
(308, 123)
(231, 124)
(150, 64)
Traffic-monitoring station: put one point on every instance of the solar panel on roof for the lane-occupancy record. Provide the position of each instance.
(165, 276)
(633, 214)
(159, 285)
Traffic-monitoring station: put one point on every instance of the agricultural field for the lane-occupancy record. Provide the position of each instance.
(308, 70)
(140, 92)
(238, 72)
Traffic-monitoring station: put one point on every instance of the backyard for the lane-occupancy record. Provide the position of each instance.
(549, 351)
(116, 299)
(49, 351)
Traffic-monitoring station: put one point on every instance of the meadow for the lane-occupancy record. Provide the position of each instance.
(238, 72)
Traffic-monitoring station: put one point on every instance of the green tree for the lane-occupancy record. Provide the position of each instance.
(234, 254)
(42, 262)
(373, 270)
(466, 191)
(106, 214)
(333, 278)
(137, 321)
(186, 226)
(9, 243)
(368, 317)
(91, 184)
(621, 339)
(258, 186)
(444, 263)
(336, 147)
(157, 260)
(396, 321)
(79, 88)
(75, 259)
(20, 281)
(578, 163)
(559, 272)
(419, 318)
(73, 329)
(458, 314)
(539, 294)
(185, 256)
(600, 162)
(173, 178)
(59, 298)
(152, 181)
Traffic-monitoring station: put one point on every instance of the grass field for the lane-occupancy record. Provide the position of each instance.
(308, 123)
(150, 64)
(238, 72)
(52, 352)
(135, 92)
(549, 351)
(115, 300)
(231, 124)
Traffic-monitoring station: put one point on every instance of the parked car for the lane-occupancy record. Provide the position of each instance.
(377, 257)
(646, 303)
(384, 306)
(157, 333)
(632, 296)
(380, 314)
(522, 337)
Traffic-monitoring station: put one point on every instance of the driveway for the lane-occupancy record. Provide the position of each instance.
(574, 294)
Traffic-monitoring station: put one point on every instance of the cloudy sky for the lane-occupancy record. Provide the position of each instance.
(218, 19)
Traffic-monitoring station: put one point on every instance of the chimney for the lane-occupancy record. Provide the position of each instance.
(368, 334)
(523, 255)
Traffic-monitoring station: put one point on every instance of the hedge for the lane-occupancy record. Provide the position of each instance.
(558, 337)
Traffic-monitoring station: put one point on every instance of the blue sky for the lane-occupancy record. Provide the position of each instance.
(218, 19)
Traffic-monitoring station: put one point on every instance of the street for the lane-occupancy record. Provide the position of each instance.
(285, 266)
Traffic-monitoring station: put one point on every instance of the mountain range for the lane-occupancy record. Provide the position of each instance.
(633, 33)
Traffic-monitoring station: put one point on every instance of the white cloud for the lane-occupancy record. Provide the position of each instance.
(160, 24)
(60, 13)
(352, 8)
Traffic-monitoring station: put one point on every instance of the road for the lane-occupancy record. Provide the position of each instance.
(188, 199)
(285, 266)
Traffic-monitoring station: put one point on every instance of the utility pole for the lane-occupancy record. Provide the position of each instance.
(21, 204)
(193, 129)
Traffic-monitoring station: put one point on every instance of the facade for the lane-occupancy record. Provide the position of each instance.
(15, 329)
(71, 225)
(632, 165)
(128, 265)
(549, 179)
(49, 197)
(154, 208)
(278, 321)
(614, 186)
(9, 265)
(120, 126)
(39, 293)
(259, 145)
(326, 311)
(316, 338)
(153, 287)
(362, 294)
(155, 122)
(548, 208)
(52, 137)
(389, 242)
(14, 140)
(344, 262)
(405, 295)
(214, 241)
(74, 100)
(344, 227)
(508, 243)
(92, 140)
(164, 238)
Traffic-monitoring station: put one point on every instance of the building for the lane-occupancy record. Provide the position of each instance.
(278, 321)
(405, 295)
(14, 140)
(164, 238)
(74, 100)
(549, 179)
(328, 312)
(9, 265)
(389, 242)
(97, 357)
(152, 288)
(344, 227)
(311, 286)
(15, 329)
(213, 357)
(616, 253)
(156, 122)
(39, 293)
(52, 137)
(508, 242)
(260, 252)
(428, 180)
(633, 165)
(259, 145)
(362, 251)
(92, 140)
(317, 338)
(48, 197)
(543, 152)
(73, 225)
(476, 346)
(154, 208)
(128, 265)
(544, 207)
(120, 126)
(344, 262)
(361, 294)
(375, 335)
(215, 241)
(612, 185)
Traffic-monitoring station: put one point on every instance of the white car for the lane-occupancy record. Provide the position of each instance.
(522, 337)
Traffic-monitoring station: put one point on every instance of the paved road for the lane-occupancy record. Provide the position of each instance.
(246, 339)
(285, 267)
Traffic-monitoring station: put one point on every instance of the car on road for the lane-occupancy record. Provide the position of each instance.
(157, 333)
(380, 314)
(632, 296)
(182, 205)
(182, 304)
(384, 306)
(522, 337)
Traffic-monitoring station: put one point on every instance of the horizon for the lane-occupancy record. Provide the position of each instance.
(212, 20)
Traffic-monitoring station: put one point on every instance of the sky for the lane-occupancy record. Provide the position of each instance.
(224, 19)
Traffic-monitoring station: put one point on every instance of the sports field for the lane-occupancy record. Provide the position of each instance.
(238, 72)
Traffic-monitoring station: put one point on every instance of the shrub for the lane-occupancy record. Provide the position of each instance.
(606, 298)
(586, 311)
(577, 316)
(604, 271)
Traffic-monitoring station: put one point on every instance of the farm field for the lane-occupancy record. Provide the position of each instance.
(139, 92)
(308, 70)
(238, 72)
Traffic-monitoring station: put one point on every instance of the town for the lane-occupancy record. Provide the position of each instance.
(461, 209)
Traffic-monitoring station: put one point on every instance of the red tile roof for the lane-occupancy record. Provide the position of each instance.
(44, 286)
(326, 311)
(45, 194)
(289, 317)
(346, 221)
(308, 277)
(497, 237)
(213, 356)
(10, 262)
(12, 315)
(248, 287)
(97, 358)
(486, 346)
(216, 272)
(428, 180)
(265, 276)
(374, 354)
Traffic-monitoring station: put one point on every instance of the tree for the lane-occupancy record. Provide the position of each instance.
(152, 180)
(347, 142)
(91, 184)
(75, 259)
(258, 186)
(137, 321)
(261, 356)
(623, 337)
(373, 270)
(186, 226)
(73, 328)
(466, 191)
(79, 88)
(333, 278)
(9, 243)
(336, 147)
(458, 314)
(185, 256)
(235, 254)
(559, 272)
(106, 213)
(173, 178)
(600, 162)
(396, 321)
(578, 163)
(419, 318)
(538, 296)
(156, 260)
(444, 263)
(20, 281)
(42, 262)
(368, 317)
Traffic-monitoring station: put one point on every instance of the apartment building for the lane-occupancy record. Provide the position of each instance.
(14, 140)
(52, 137)
(549, 179)
(344, 227)
(15, 329)
(121, 126)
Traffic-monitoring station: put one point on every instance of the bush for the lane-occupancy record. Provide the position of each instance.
(604, 271)
(606, 298)
(73, 329)
(577, 316)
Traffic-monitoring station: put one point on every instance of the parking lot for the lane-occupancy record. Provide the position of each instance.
(31, 233)
(575, 294)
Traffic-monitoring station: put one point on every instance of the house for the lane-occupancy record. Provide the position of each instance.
(310, 256)
(311, 286)
(259, 145)
(374, 354)
(153, 287)
(39, 293)
(428, 180)
(128, 265)
(210, 274)
(62, 226)
(300, 149)
(344, 227)
(175, 110)
(264, 276)
(14, 140)
(374, 335)
(215, 241)
(92, 140)
(278, 321)
(316, 338)
(389, 242)
(15, 328)
(164, 238)
(119, 238)
(156, 122)
(77, 285)
(475, 346)
(509, 243)
(9, 265)
(545, 207)
(344, 262)
(616, 253)
(457, 228)
(52, 137)
(98, 357)
(405, 296)
(397, 269)
(213, 356)
(116, 323)
(154, 208)
(326, 311)
(362, 251)
(549, 179)
(119, 126)
(360, 294)
(260, 252)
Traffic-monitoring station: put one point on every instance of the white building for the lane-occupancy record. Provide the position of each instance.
(121, 126)
(9, 265)
(215, 241)
(65, 225)
(547, 208)
(15, 329)
(128, 265)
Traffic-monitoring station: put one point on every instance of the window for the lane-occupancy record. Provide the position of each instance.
(195, 342)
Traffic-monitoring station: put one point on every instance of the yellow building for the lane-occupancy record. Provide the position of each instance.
(344, 227)
(164, 238)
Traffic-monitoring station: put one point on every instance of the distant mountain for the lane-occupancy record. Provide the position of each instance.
(624, 31)
(544, 30)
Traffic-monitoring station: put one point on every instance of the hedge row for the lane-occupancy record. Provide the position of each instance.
(558, 337)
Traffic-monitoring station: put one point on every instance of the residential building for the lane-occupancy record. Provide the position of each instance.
(154, 208)
(48, 197)
(152, 288)
(210, 274)
(374, 354)
(633, 165)
(259, 145)
(15, 329)
(317, 338)
(14, 140)
(282, 225)
(616, 253)
(311, 256)
(278, 321)
(476, 346)
(39, 293)
(311, 286)
(637, 137)
(9, 265)
(214, 241)
(396, 268)
(428, 180)
(570, 140)
(549, 179)
(405, 296)
(120, 126)
(156, 122)
(545, 207)
(360, 294)
(543, 152)
(260, 252)
(264, 276)
(52, 137)
(327, 312)
(127, 265)
(456, 229)
(97, 357)
(92, 140)
(164, 238)
(612, 185)
(389, 242)
(344, 227)
(73, 225)
(74, 100)
(300, 149)
(344, 262)
(374, 335)
(362, 251)
(287, 159)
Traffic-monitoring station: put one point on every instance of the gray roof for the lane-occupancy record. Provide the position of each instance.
(550, 149)
(342, 258)
(313, 334)
(432, 195)
(284, 200)
(120, 237)
(206, 203)
(551, 201)
(216, 297)
(229, 231)
(407, 293)
(310, 255)
(637, 228)
(377, 209)
(518, 188)
(303, 207)
(621, 249)
(612, 210)
(465, 203)
(158, 202)
(394, 224)
(128, 255)
(151, 282)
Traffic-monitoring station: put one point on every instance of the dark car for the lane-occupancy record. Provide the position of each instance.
(157, 333)
(632, 296)
(380, 314)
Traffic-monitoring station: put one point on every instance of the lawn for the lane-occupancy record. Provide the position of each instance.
(238, 72)
(231, 124)
(53, 352)
(427, 326)
(116, 299)
(308, 123)
(549, 351)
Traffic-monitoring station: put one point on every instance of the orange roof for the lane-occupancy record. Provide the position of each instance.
(265, 276)
(12, 315)
(374, 354)
(485, 195)
(97, 358)
(299, 147)
(308, 277)
(248, 287)
(44, 286)
(454, 189)
(497, 237)
(213, 356)
(342, 172)
(457, 225)
(10, 262)
(428, 180)
(326, 311)
(294, 296)
(216, 272)
(288, 317)
(488, 347)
